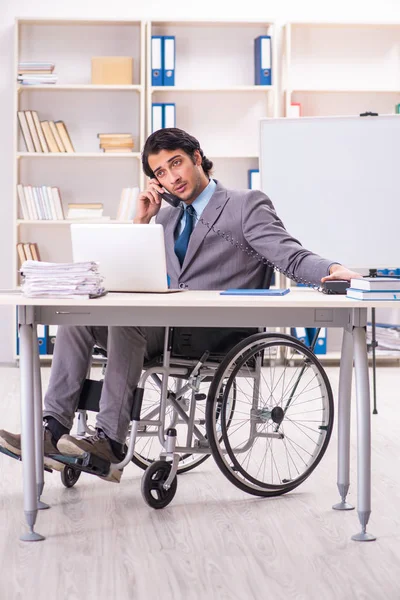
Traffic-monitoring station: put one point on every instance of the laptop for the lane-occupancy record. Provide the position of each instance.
(131, 257)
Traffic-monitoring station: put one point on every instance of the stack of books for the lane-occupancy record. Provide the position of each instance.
(86, 210)
(127, 204)
(374, 288)
(40, 203)
(27, 251)
(44, 136)
(34, 73)
(116, 142)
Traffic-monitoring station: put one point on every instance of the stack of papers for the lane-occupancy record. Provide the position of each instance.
(387, 336)
(61, 280)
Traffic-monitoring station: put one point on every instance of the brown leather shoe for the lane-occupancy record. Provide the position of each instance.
(97, 444)
(12, 442)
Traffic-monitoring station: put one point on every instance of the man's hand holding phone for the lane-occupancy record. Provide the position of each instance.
(148, 202)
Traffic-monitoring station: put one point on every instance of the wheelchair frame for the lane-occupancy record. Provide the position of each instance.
(159, 481)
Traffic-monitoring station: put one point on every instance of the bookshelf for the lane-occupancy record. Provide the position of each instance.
(88, 174)
(214, 92)
(341, 68)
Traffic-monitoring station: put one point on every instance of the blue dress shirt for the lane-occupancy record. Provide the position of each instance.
(199, 205)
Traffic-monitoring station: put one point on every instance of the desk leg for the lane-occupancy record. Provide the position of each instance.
(28, 431)
(37, 390)
(345, 376)
(363, 434)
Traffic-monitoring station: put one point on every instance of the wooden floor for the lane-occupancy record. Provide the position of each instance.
(213, 541)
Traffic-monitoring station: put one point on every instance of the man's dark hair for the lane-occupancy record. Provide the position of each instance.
(172, 138)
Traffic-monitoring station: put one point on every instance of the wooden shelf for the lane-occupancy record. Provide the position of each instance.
(52, 222)
(342, 91)
(237, 88)
(65, 87)
(75, 155)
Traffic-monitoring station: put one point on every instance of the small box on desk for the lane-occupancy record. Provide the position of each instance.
(112, 70)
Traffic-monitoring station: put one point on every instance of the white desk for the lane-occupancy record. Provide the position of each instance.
(299, 308)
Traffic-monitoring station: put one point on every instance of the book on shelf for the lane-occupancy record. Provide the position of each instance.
(116, 136)
(40, 203)
(116, 142)
(28, 251)
(127, 204)
(48, 134)
(64, 135)
(25, 131)
(384, 284)
(33, 131)
(32, 65)
(40, 78)
(39, 131)
(43, 136)
(372, 295)
(85, 210)
(57, 136)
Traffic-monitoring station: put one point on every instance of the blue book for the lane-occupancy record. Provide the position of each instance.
(244, 292)
(262, 60)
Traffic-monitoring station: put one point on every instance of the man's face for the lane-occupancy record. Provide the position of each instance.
(176, 172)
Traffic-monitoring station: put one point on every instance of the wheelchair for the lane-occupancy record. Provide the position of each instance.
(260, 403)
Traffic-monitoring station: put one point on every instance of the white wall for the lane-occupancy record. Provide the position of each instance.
(281, 10)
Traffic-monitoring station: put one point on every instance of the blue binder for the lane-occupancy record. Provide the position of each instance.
(41, 333)
(169, 115)
(301, 334)
(51, 338)
(156, 60)
(254, 179)
(169, 60)
(157, 116)
(262, 60)
(320, 346)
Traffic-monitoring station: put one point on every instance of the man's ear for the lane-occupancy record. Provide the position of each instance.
(197, 158)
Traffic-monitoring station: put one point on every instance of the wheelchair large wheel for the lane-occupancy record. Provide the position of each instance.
(148, 447)
(283, 414)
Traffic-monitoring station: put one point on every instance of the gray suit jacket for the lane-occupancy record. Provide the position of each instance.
(249, 219)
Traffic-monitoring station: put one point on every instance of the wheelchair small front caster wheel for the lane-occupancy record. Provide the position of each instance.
(69, 476)
(153, 491)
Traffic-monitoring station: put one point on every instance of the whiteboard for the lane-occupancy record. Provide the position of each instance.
(335, 183)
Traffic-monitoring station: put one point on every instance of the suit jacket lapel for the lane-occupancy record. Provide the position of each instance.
(210, 214)
(169, 232)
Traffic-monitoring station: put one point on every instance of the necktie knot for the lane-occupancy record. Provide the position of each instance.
(182, 242)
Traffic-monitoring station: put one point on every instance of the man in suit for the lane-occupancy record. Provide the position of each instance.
(214, 240)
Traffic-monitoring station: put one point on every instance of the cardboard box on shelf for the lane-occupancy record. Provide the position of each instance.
(112, 70)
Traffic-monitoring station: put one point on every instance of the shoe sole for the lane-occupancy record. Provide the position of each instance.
(49, 462)
(67, 447)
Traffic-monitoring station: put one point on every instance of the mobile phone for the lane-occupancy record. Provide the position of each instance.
(171, 199)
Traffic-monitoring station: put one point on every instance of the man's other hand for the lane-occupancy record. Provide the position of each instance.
(340, 272)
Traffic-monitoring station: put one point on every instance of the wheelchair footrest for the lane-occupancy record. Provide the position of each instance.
(18, 457)
(87, 462)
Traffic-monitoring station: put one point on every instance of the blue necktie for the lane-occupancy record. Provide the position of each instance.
(182, 242)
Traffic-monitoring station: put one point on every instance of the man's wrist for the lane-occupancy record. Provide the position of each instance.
(141, 221)
(334, 267)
